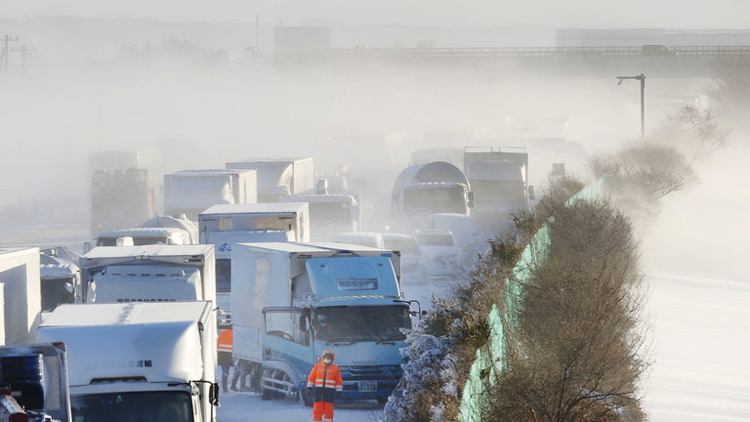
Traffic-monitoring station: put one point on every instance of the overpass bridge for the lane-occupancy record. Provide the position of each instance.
(656, 61)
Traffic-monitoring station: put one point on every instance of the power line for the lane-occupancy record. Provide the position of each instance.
(4, 54)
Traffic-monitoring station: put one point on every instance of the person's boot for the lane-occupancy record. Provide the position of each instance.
(224, 382)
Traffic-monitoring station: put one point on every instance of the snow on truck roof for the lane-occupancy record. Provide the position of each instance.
(207, 172)
(142, 232)
(147, 250)
(296, 247)
(11, 249)
(134, 313)
(269, 207)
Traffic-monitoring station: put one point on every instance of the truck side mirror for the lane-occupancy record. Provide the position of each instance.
(303, 323)
(471, 196)
(86, 247)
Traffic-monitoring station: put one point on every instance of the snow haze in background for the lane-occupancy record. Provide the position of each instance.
(591, 13)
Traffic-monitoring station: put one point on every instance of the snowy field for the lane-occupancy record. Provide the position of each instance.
(700, 303)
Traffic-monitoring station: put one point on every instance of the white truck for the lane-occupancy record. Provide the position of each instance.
(225, 224)
(330, 214)
(282, 290)
(20, 295)
(34, 380)
(499, 177)
(138, 361)
(150, 273)
(279, 177)
(191, 191)
(421, 190)
(126, 188)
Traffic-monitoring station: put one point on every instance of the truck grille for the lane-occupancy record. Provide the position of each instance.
(380, 373)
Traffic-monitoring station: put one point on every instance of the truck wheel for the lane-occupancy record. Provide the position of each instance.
(266, 394)
(305, 396)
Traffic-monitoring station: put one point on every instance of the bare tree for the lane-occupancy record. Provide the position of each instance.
(577, 356)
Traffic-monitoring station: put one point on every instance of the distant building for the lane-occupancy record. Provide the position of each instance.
(301, 39)
(629, 37)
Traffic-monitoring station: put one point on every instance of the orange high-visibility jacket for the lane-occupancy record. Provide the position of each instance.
(225, 341)
(326, 379)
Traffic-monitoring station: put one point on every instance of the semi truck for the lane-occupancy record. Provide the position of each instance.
(225, 224)
(330, 214)
(421, 190)
(281, 291)
(20, 295)
(499, 177)
(34, 383)
(149, 273)
(280, 177)
(138, 361)
(126, 188)
(189, 192)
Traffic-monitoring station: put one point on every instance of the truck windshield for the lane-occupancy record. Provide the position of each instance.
(361, 323)
(435, 200)
(154, 406)
(54, 292)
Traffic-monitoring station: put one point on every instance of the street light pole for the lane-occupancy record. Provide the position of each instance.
(641, 78)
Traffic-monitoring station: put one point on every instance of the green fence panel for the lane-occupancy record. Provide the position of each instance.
(490, 361)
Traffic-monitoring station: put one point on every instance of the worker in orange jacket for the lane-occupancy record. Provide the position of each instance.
(325, 378)
(225, 356)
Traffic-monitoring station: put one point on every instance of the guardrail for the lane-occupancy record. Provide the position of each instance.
(503, 52)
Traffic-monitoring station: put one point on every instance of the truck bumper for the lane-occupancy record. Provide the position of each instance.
(369, 382)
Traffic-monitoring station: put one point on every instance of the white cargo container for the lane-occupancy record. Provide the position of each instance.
(150, 273)
(225, 224)
(140, 361)
(330, 214)
(20, 295)
(280, 177)
(191, 191)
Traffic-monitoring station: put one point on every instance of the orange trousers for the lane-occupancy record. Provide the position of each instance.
(322, 411)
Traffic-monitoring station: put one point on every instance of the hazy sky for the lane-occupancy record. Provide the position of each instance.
(551, 13)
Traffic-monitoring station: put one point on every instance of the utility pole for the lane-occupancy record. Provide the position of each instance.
(4, 55)
(641, 78)
(23, 51)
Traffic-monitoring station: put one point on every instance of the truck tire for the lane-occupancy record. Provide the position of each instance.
(266, 394)
(306, 396)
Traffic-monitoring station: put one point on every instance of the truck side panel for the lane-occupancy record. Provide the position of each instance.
(21, 294)
(251, 292)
